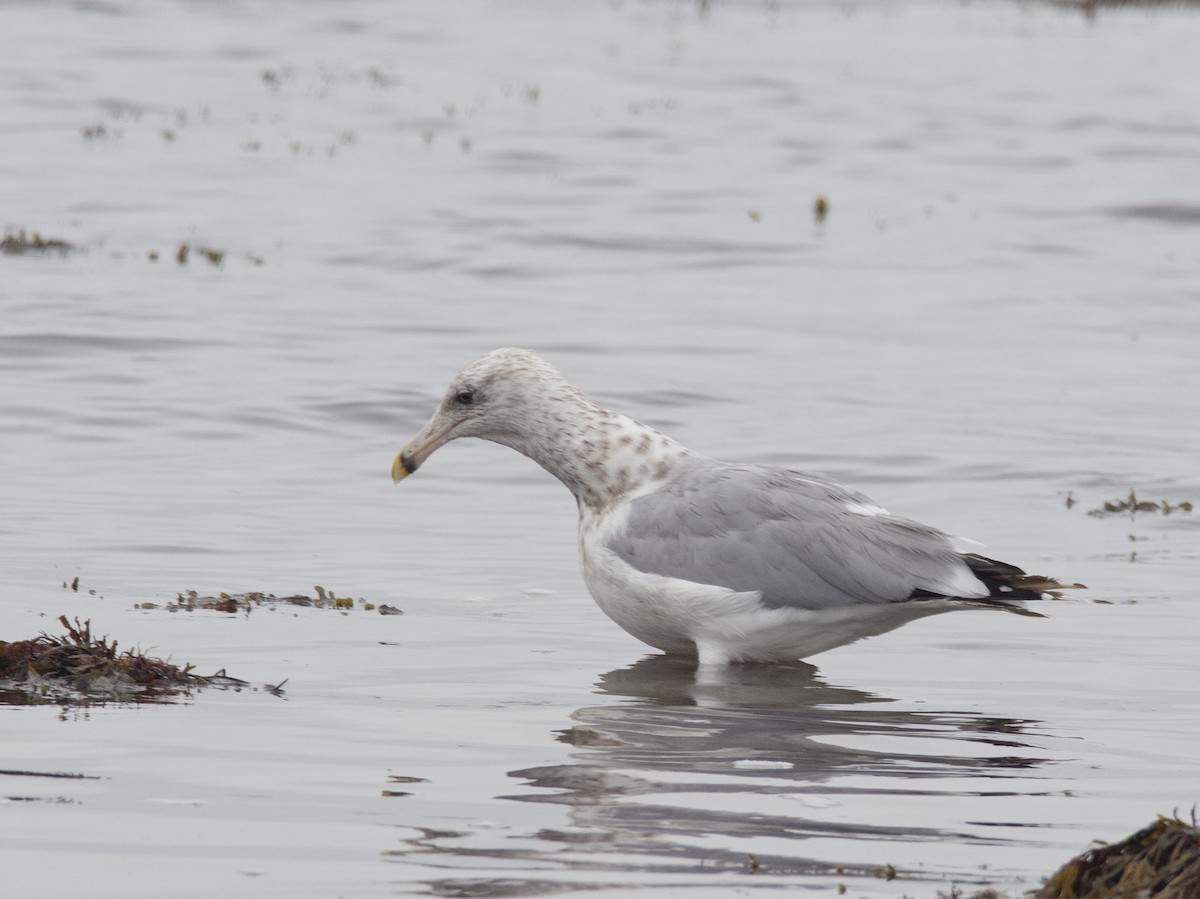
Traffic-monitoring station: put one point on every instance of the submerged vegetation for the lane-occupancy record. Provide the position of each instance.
(79, 666)
(1160, 861)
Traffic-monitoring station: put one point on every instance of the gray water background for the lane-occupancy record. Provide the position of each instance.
(1000, 311)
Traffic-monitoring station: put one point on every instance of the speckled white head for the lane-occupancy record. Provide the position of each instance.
(494, 398)
(515, 398)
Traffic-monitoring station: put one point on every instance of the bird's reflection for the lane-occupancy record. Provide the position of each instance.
(777, 718)
(698, 777)
(764, 754)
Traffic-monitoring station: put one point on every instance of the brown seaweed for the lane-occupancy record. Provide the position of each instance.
(32, 242)
(1161, 861)
(1133, 504)
(191, 601)
(78, 666)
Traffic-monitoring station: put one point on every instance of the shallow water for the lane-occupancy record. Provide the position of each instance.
(999, 311)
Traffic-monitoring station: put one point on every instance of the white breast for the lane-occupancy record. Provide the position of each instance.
(661, 611)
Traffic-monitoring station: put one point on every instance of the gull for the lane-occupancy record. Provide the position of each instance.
(721, 561)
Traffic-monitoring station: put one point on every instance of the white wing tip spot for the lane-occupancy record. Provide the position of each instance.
(870, 511)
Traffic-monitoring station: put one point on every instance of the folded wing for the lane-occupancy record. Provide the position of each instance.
(799, 540)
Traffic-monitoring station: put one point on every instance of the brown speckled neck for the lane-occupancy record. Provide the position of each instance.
(601, 456)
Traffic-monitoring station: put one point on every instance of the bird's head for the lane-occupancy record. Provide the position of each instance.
(498, 397)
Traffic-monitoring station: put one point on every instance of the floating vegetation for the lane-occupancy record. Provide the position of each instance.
(1162, 861)
(79, 667)
(275, 77)
(213, 255)
(26, 242)
(1132, 505)
(33, 242)
(1091, 7)
(185, 251)
(99, 131)
(191, 601)
(375, 76)
(820, 209)
(73, 586)
(30, 242)
(669, 104)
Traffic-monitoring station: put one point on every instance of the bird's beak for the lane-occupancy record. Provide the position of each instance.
(400, 468)
(419, 449)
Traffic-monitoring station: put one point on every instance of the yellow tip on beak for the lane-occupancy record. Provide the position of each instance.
(399, 469)
(417, 450)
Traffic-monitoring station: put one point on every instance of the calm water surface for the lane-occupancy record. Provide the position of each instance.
(1000, 311)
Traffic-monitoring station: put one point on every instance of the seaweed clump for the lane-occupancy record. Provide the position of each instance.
(1161, 861)
(1132, 504)
(191, 601)
(78, 664)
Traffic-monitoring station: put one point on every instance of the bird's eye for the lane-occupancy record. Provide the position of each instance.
(465, 397)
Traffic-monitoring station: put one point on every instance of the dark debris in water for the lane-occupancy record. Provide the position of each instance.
(1132, 504)
(29, 242)
(212, 255)
(1091, 7)
(56, 775)
(191, 601)
(820, 209)
(1160, 861)
(78, 668)
(32, 242)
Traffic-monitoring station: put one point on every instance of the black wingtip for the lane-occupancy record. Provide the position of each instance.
(1007, 585)
(1008, 582)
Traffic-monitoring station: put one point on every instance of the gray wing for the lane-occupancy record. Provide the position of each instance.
(800, 540)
